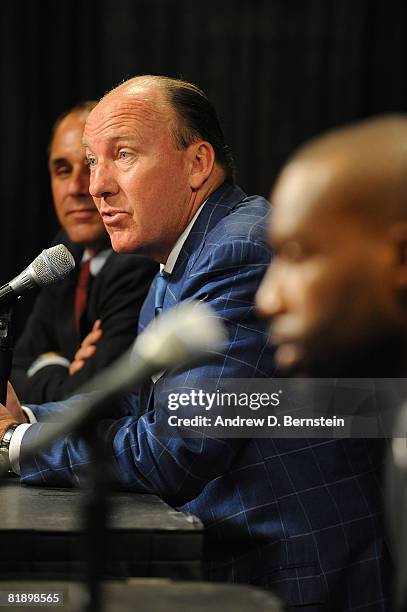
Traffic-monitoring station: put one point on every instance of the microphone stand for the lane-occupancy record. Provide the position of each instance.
(160, 347)
(6, 350)
(96, 510)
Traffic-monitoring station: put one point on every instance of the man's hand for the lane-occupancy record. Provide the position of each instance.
(6, 420)
(12, 414)
(14, 406)
(87, 348)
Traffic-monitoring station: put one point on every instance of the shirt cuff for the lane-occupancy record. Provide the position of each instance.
(30, 415)
(14, 447)
(47, 360)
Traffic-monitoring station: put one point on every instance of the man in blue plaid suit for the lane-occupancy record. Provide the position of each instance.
(300, 517)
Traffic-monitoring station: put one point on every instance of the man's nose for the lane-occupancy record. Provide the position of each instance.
(102, 183)
(269, 298)
(79, 181)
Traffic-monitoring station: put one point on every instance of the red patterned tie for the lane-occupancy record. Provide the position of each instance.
(81, 294)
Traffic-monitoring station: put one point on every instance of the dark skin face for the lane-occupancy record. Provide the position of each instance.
(330, 292)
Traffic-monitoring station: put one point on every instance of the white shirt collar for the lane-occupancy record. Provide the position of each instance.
(98, 261)
(176, 250)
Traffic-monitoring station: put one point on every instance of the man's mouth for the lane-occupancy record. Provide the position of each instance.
(113, 216)
(278, 338)
(82, 213)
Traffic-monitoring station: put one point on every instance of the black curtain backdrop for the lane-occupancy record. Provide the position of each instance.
(278, 72)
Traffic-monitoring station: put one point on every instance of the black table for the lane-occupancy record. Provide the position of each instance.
(41, 531)
(151, 596)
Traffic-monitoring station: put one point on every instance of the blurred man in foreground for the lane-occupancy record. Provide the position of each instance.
(81, 325)
(336, 297)
(337, 289)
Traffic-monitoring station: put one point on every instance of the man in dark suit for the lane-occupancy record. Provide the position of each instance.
(162, 180)
(64, 343)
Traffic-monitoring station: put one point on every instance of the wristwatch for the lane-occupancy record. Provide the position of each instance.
(4, 446)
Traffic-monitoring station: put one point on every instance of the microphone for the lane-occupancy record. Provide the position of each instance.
(51, 266)
(184, 334)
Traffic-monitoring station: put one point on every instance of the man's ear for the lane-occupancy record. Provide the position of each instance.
(398, 236)
(202, 158)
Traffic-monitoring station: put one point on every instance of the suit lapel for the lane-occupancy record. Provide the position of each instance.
(218, 206)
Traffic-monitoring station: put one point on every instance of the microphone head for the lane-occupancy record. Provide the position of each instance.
(184, 333)
(52, 265)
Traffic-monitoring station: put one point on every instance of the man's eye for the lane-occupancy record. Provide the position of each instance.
(124, 155)
(91, 162)
(63, 171)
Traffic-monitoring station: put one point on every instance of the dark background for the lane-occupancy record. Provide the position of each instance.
(278, 71)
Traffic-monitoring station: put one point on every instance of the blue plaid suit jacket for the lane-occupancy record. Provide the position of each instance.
(302, 517)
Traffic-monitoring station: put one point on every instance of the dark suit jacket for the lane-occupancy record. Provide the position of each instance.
(302, 517)
(115, 296)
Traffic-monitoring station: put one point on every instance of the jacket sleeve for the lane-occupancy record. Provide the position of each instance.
(119, 293)
(150, 456)
(40, 335)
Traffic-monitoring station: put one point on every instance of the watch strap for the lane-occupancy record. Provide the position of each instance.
(4, 447)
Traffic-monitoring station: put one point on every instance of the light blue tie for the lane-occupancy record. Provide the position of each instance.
(161, 283)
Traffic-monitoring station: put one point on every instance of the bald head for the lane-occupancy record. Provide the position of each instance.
(190, 114)
(146, 92)
(360, 169)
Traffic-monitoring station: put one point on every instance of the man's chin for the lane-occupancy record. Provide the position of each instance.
(288, 357)
(295, 360)
(87, 235)
(122, 242)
